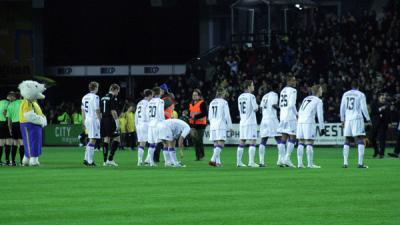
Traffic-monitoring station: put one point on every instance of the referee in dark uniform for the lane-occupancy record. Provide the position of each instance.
(380, 118)
(109, 125)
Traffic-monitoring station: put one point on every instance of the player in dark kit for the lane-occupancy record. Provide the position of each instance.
(109, 124)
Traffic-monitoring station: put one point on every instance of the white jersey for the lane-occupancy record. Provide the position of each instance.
(141, 114)
(267, 102)
(247, 109)
(178, 127)
(310, 107)
(219, 115)
(287, 104)
(90, 104)
(155, 110)
(353, 106)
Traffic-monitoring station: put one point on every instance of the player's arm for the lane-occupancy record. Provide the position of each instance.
(184, 134)
(97, 107)
(262, 103)
(364, 108)
(292, 101)
(136, 116)
(83, 115)
(254, 103)
(210, 115)
(320, 115)
(161, 110)
(275, 104)
(342, 109)
(228, 117)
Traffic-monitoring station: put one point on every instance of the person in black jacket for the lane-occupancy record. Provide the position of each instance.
(380, 118)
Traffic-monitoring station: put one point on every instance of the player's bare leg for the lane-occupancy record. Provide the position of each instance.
(106, 146)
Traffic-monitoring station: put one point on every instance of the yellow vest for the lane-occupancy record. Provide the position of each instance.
(122, 123)
(130, 122)
(27, 106)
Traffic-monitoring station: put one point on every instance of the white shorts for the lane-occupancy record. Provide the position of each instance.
(288, 127)
(165, 134)
(142, 132)
(353, 128)
(248, 132)
(307, 131)
(269, 128)
(93, 128)
(218, 135)
(152, 135)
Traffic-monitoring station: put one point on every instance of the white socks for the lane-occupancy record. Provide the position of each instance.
(281, 152)
(150, 154)
(361, 149)
(290, 147)
(310, 154)
(89, 153)
(252, 153)
(300, 152)
(140, 154)
(172, 156)
(166, 155)
(239, 155)
(216, 157)
(261, 153)
(346, 148)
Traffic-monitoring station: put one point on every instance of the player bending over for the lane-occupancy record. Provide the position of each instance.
(91, 117)
(170, 131)
(287, 125)
(269, 123)
(220, 121)
(142, 123)
(306, 128)
(352, 109)
(248, 124)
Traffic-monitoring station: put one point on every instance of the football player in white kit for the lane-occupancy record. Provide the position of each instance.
(352, 109)
(248, 124)
(220, 121)
(306, 128)
(288, 120)
(142, 123)
(91, 116)
(269, 123)
(155, 110)
(169, 131)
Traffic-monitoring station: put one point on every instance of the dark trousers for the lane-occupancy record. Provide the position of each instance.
(397, 146)
(156, 156)
(378, 133)
(131, 140)
(197, 139)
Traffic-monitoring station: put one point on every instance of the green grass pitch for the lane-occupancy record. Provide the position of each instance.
(63, 191)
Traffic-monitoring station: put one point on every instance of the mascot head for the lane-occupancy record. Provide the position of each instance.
(31, 90)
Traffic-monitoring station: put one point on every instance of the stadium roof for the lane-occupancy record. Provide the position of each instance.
(256, 3)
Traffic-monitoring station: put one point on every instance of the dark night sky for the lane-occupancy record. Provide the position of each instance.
(120, 32)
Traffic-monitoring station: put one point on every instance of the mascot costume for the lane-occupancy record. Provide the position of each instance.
(32, 121)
